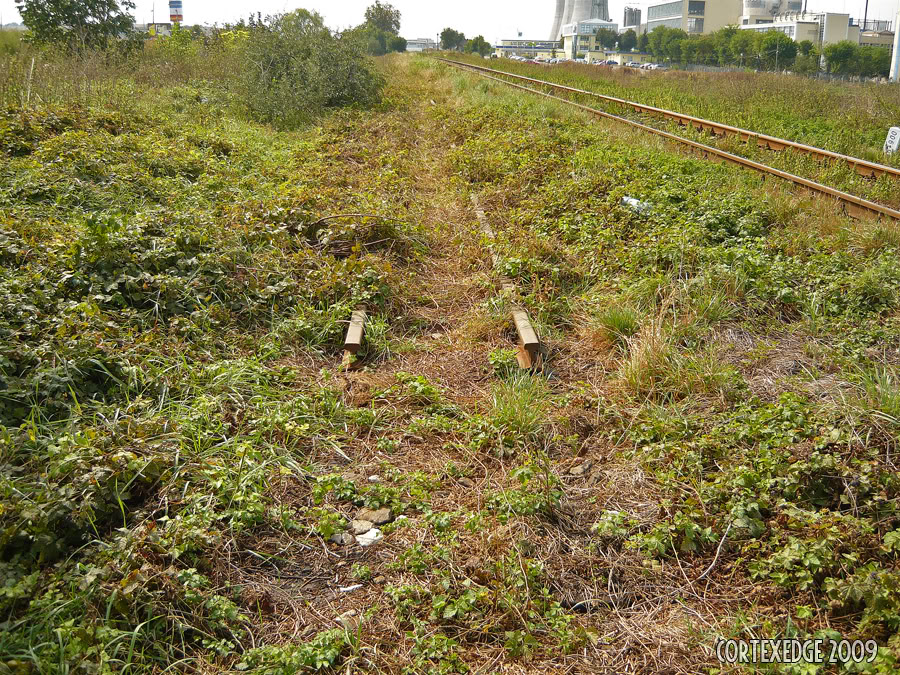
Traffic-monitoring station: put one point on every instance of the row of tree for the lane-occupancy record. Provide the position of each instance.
(454, 40)
(768, 50)
(97, 24)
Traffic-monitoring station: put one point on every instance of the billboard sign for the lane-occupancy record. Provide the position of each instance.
(176, 13)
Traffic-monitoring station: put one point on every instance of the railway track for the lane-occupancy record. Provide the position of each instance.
(854, 206)
(861, 166)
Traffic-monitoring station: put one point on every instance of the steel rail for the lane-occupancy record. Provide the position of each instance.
(861, 166)
(854, 206)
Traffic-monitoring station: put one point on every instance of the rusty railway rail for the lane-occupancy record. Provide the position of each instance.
(854, 206)
(862, 166)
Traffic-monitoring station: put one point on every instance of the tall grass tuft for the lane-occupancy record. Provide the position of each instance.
(618, 323)
(519, 405)
(882, 394)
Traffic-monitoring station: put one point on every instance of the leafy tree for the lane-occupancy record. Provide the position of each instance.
(806, 47)
(872, 61)
(704, 48)
(778, 50)
(77, 24)
(806, 64)
(643, 42)
(375, 41)
(722, 39)
(848, 58)
(742, 47)
(379, 33)
(384, 17)
(666, 42)
(397, 44)
(628, 40)
(607, 38)
(839, 56)
(451, 39)
(478, 45)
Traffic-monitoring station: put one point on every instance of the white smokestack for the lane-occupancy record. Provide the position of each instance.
(895, 68)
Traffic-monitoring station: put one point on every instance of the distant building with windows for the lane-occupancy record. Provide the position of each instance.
(757, 12)
(420, 45)
(695, 17)
(881, 38)
(580, 39)
(819, 28)
(529, 49)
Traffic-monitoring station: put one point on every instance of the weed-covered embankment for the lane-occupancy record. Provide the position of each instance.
(161, 264)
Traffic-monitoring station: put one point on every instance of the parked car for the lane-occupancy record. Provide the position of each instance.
(633, 64)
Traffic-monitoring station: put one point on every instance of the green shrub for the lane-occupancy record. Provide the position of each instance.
(296, 68)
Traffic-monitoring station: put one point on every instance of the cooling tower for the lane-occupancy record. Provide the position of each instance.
(558, 19)
(573, 11)
(590, 9)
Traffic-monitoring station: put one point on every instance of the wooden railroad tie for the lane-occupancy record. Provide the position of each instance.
(353, 341)
(528, 353)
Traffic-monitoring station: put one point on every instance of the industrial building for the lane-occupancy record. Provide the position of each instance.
(632, 20)
(757, 12)
(695, 17)
(819, 28)
(877, 38)
(575, 11)
(529, 49)
(420, 45)
(580, 39)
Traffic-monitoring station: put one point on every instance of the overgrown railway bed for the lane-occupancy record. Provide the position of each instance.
(853, 205)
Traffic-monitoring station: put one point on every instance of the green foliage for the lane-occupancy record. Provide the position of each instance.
(10, 42)
(628, 40)
(504, 363)
(435, 653)
(296, 68)
(478, 45)
(876, 591)
(849, 58)
(665, 43)
(385, 17)
(78, 26)
(325, 650)
(538, 492)
(375, 41)
(777, 50)
(607, 38)
(799, 564)
(451, 39)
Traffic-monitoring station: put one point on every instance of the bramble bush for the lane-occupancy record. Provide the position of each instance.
(295, 68)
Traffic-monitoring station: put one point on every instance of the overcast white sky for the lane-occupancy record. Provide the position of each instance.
(495, 19)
